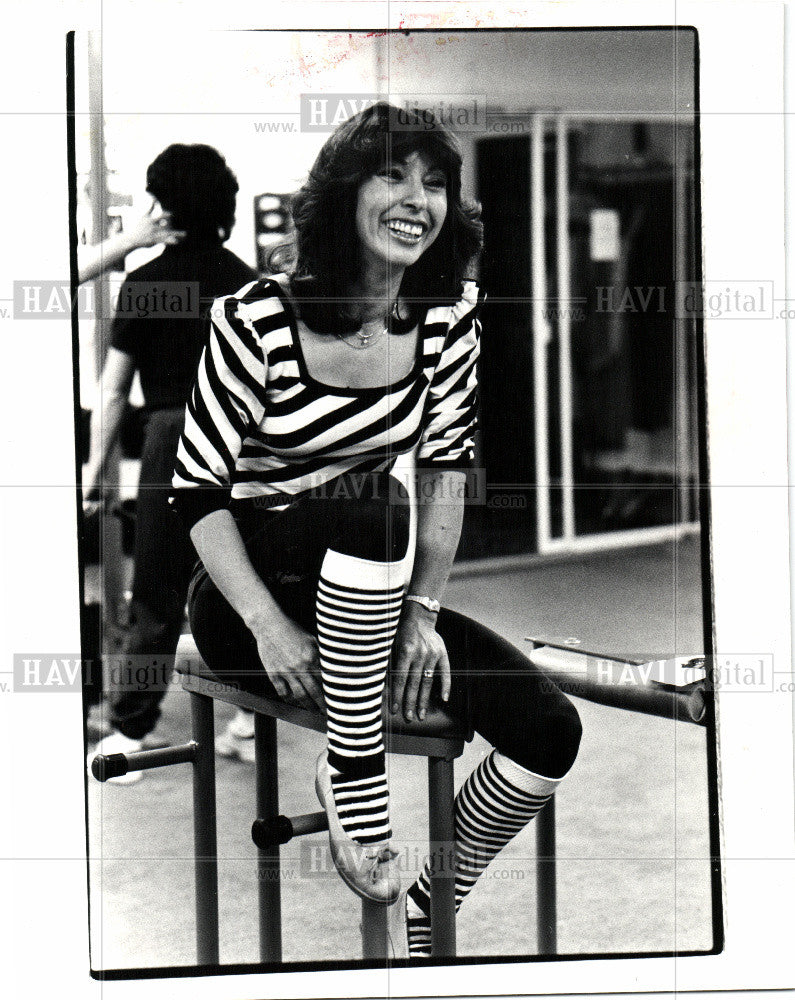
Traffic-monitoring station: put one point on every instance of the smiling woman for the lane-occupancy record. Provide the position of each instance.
(283, 477)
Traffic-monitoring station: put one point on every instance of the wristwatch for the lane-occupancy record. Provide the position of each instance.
(427, 602)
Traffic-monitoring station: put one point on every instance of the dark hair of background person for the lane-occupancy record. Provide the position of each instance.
(325, 259)
(194, 183)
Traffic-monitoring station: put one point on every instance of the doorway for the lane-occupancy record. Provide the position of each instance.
(588, 377)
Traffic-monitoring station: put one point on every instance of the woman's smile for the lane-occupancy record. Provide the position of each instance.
(407, 232)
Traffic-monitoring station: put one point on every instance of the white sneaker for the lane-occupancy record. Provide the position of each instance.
(117, 742)
(237, 740)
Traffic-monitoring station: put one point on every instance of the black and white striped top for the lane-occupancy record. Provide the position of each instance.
(259, 427)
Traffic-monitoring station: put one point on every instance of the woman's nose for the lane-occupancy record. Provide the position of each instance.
(415, 194)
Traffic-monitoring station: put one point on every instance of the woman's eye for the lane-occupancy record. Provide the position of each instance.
(437, 182)
(391, 173)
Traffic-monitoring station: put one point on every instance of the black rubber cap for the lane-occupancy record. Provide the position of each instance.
(112, 765)
(270, 832)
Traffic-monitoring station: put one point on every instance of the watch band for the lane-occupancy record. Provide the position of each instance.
(427, 602)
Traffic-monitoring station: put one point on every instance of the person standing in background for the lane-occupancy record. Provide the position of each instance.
(193, 185)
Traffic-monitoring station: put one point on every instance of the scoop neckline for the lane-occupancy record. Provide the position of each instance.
(339, 390)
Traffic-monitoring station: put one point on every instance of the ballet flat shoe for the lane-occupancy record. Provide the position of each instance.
(367, 869)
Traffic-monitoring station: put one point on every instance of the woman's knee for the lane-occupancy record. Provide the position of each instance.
(513, 704)
(546, 741)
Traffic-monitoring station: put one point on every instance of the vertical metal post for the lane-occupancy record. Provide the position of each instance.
(111, 558)
(441, 823)
(693, 365)
(99, 190)
(564, 325)
(683, 332)
(374, 930)
(541, 335)
(204, 830)
(546, 881)
(268, 860)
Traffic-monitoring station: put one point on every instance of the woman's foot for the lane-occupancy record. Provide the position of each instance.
(367, 869)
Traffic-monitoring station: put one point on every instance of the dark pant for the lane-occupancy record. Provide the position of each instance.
(496, 691)
(164, 559)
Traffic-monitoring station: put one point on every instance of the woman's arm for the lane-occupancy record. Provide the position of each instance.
(288, 653)
(418, 646)
(114, 389)
(227, 401)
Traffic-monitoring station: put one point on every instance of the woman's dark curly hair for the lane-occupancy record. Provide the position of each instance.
(327, 257)
(197, 187)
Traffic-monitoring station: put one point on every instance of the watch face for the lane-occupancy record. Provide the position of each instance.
(426, 602)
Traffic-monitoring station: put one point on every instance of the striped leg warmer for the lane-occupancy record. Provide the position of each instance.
(358, 607)
(496, 801)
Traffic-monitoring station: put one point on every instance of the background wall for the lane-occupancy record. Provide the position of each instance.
(217, 87)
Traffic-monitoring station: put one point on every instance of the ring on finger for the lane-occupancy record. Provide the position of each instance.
(427, 674)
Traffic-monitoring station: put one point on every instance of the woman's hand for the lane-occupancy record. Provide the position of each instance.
(418, 655)
(288, 653)
(290, 658)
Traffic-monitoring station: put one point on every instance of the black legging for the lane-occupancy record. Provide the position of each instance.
(496, 691)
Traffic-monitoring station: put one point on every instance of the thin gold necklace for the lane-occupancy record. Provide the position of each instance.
(365, 339)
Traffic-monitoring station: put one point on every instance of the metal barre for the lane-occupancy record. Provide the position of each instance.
(674, 688)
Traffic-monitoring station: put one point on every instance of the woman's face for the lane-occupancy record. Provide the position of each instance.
(400, 211)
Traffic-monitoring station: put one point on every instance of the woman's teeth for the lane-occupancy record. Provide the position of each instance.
(406, 232)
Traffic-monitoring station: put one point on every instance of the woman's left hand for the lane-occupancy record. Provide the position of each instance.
(418, 655)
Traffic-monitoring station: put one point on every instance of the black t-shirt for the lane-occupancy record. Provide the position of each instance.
(166, 348)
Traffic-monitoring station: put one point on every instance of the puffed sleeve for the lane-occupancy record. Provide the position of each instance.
(227, 399)
(451, 409)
